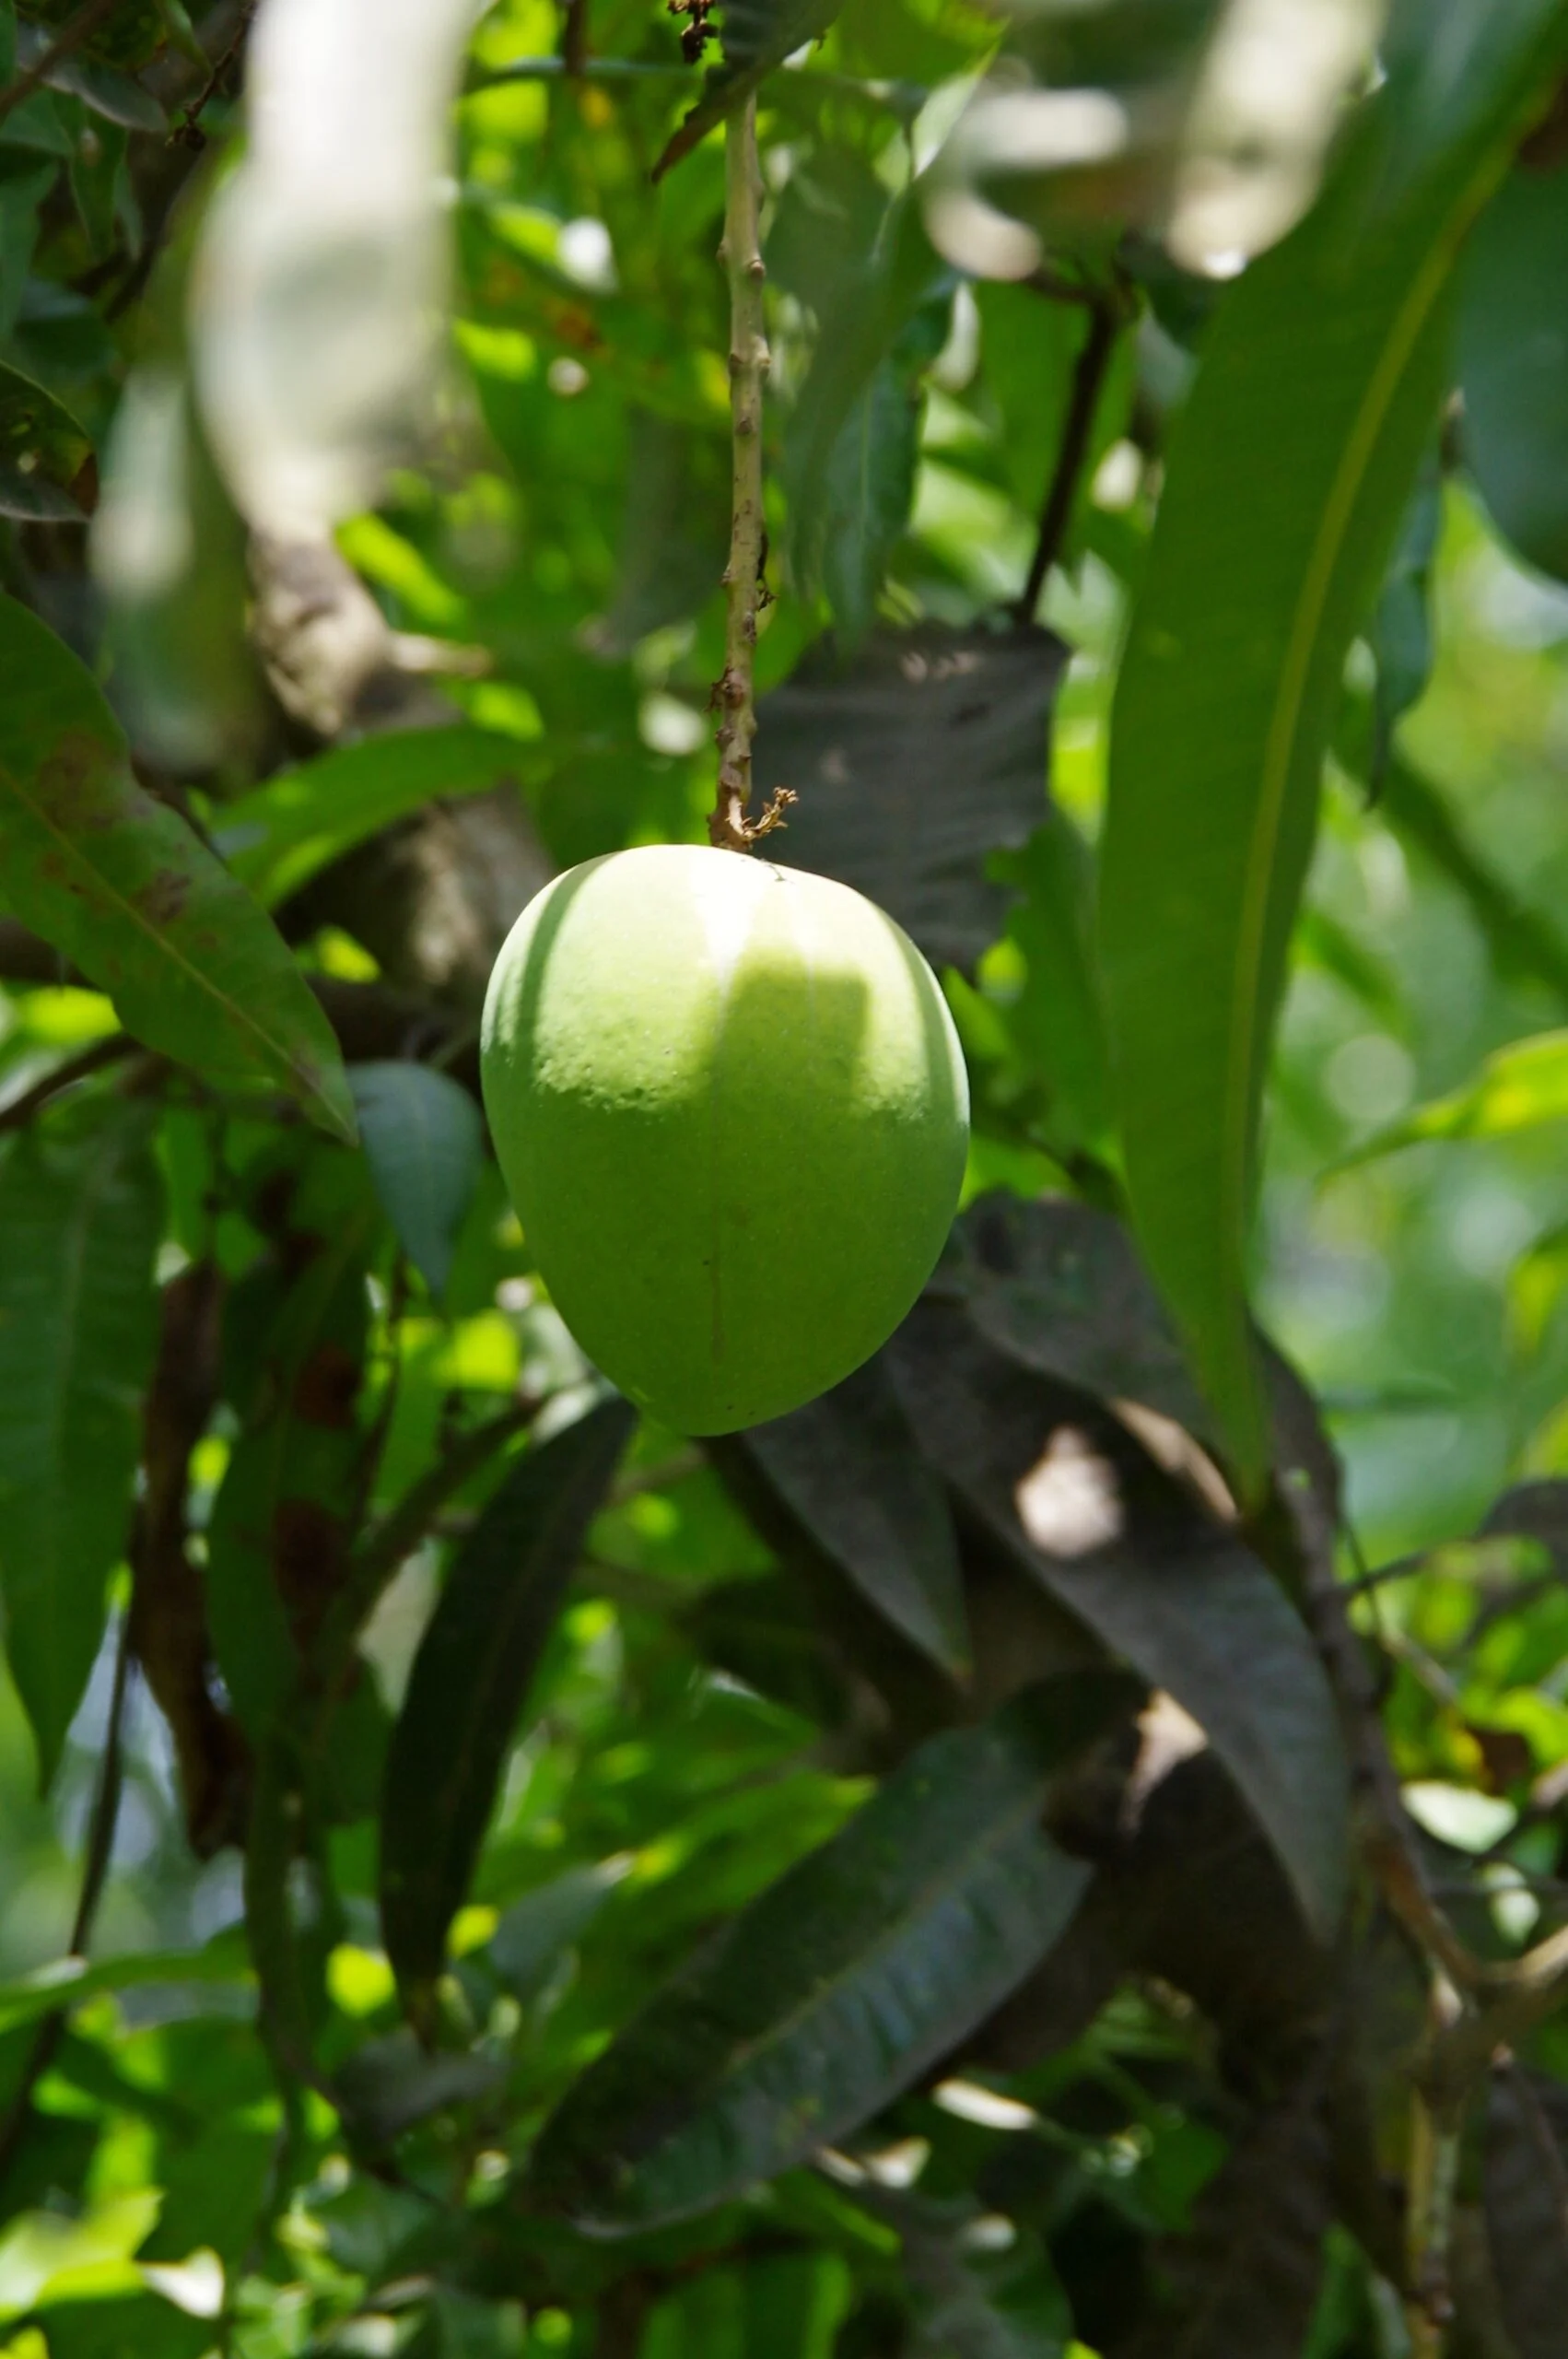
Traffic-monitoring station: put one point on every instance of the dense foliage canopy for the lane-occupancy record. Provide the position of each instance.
(1058, 1845)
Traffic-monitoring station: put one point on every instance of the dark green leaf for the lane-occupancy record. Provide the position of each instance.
(913, 765)
(758, 35)
(81, 1219)
(1514, 365)
(1058, 1287)
(469, 1680)
(847, 1467)
(841, 1984)
(388, 2084)
(1526, 2213)
(70, 1980)
(1247, 2278)
(424, 1141)
(276, 838)
(868, 487)
(43, 454)
(1290, 467)
(120, 886)
(1178, 1597)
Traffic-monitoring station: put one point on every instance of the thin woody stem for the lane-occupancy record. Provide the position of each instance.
(730, 825)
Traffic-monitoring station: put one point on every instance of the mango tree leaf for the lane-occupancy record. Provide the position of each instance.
(1521, 1087)
(1527, 2212)
(868, 489)
(1513, 366)
(68, 1981)
(469, 1680)
(1247, 2277)
(120, 886)
(913, 765)
(1177, 1596)
(840, 1984)
(424, 1141)
(758, 35)
(78, 1330)
(43, 454)
(279, 837)
(1289, 470)
(848, 1469)
(1057, 1286)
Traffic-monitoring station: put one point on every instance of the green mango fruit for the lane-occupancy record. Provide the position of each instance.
(731, 1111)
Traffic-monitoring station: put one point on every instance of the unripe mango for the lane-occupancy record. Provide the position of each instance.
(731, 1111)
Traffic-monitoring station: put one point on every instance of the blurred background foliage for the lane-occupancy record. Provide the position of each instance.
(391, 735)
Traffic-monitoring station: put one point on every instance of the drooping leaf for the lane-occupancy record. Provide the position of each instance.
(758, 35)
(1289, 469)
(120, 885)
(424, 1141)
(1512, 365)
(1247, 2278)
(1057, 1286)
(1521, 1087)
(913, 765)
(69, 1981)
(838, 1987)
(1178, 1597)
(43, 455)
(868, 489)
(388, 2084)
(469, 1683)
(848, 1468)
(280, 835)
(1527, 2212)
(81, 1218)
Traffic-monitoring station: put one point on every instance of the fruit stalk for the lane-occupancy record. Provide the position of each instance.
(731, 826)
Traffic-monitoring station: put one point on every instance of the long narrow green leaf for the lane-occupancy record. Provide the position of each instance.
(842, 1983)
(1290, 470)
(78, 1328)
(469, 1682)
(119, 884)
(1522, 1087)
(425, 1143)
(278, 838)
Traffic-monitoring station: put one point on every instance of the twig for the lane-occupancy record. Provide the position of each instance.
(76, 29)
(188, 131)
(20, 1111)
(730, 826)
(1107, 313)
(95, 1872)
(1514, 1998)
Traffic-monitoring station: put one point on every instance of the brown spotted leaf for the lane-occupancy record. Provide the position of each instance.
(123, 889)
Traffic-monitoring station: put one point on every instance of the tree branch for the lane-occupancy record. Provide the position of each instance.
(1107, 313)
(731, 826)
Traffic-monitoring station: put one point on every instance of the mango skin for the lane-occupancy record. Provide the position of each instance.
(732, 1114)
